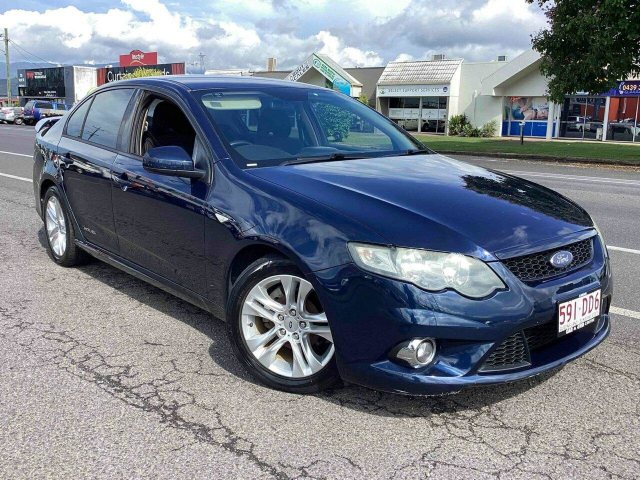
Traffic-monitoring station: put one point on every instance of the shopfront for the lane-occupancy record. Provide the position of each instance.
(623, 119)
(417, 95)
(407, 104)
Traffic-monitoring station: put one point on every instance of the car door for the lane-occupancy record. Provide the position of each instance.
(87, 151)
(160, 219)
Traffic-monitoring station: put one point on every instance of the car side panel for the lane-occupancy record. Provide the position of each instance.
(160, 222)
(86, 180)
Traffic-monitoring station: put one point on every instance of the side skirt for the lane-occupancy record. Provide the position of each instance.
(147, 276)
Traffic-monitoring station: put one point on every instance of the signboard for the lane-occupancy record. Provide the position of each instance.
(22, 79)
(136, 58)
(44, 82)
(413, 90)
(336, 80)
(338, 83)
(300, 71)
(627, 88)
(112, 74)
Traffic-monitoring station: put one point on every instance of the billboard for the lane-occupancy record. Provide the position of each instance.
(112, 74)
(627, 88)
(137, 58)
(527, 108)
(42, 82)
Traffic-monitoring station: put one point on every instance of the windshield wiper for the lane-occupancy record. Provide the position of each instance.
(324, 158)
(417, 151)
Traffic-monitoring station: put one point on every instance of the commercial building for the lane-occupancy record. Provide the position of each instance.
(423, 95)
(68, 84)
(59, 84)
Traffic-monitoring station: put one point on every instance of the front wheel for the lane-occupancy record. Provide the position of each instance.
(18, 121)
(279, 329)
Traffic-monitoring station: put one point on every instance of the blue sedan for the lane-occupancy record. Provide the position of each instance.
(336, 246)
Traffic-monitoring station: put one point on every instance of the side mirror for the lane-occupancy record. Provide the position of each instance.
(174, 161)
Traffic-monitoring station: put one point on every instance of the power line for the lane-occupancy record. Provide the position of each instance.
(30, 53)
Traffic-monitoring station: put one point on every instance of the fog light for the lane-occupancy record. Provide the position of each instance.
(417, 352)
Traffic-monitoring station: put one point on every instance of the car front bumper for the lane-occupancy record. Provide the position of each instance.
(370, 315)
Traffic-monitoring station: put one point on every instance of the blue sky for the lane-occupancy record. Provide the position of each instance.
(243, 33)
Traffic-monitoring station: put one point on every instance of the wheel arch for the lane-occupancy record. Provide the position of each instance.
(249, 254)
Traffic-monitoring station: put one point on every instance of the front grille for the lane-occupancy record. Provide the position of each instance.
(541, 335)
(537, 266)
(512, 353)
(515, 351)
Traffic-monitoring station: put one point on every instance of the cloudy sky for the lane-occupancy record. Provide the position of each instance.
(242, 33)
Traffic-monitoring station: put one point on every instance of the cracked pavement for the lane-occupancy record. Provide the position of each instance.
(103, 376)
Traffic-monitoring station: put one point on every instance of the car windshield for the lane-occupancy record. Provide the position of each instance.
(278, 125)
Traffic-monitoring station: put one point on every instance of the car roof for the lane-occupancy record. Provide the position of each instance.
(200, 82)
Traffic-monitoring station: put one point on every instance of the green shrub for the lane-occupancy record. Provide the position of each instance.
(142, 72)
(457, 124)
(489, 129)
(470, 131)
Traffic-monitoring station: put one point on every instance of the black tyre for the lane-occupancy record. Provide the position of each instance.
(279, 330)
(18, 121)
(59, 231)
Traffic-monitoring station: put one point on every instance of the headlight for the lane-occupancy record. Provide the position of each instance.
(604, 245)
(433, 271)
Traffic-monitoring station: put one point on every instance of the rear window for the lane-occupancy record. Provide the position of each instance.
(76, 121)
(105, 117)
(45, 105)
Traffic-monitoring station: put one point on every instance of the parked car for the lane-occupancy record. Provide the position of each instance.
(370, 259)
(35, 110)
(9, 114)
(623, 131)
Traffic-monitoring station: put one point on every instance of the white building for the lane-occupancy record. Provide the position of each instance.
(423, 95)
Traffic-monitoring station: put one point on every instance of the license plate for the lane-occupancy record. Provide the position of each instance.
(578, 312)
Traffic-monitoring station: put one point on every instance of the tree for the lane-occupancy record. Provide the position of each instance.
(363, 99)
(589, 45)
(142, 72)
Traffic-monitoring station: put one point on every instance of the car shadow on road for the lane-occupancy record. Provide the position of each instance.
(348, 396)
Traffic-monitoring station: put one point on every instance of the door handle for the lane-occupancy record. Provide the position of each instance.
(122, 180)
(63, 160)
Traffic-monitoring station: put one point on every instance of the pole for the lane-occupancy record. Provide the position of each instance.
(7, 64)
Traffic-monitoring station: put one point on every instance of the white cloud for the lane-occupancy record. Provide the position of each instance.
(346, 56)
(243, 33)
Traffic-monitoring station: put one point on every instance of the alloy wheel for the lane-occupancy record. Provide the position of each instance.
(285, 328)
(56, 226)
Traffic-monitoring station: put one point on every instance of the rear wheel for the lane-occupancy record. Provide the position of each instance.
(60, 232)
(279, 329)
(18, 121)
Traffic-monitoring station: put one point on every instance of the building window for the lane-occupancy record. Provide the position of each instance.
(624, 119)
(582, 117)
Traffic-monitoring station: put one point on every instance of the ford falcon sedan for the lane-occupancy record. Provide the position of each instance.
(335, 246)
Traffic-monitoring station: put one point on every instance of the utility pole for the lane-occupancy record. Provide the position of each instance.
(201, 57)
(7, 64)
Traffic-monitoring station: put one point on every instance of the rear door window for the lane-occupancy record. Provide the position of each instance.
(105, 117)
(76, 121)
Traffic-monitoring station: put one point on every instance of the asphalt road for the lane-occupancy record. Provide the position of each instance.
(102, 375)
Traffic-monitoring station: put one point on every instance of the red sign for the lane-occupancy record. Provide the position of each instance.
(137, 58)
